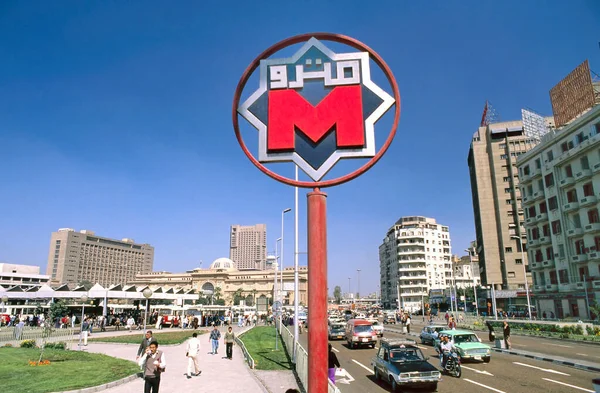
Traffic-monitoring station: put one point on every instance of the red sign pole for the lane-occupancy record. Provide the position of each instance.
(317, 292)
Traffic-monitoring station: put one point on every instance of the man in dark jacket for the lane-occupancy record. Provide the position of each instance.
(145, 343)
(507, 335)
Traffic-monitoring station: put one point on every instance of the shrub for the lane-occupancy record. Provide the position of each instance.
(28, 344)
(7, 345)
(58, 345)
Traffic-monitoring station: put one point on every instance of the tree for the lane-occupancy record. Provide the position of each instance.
(238, 295)
(595, 309)
(57, 310)
(217, 294)
(337, 294)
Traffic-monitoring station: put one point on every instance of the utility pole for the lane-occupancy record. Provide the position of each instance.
(358, 285)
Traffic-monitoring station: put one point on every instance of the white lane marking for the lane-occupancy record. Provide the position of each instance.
(337, 350)
(581, 354)
(477, 371)
(548, 370)
(485, 386)
(566, 384)
(343, 380)
(363, 366)
(559, 345)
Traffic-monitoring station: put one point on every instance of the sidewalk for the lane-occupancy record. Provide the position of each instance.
(218, 374)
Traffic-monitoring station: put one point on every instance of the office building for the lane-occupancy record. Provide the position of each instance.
(24, 276)
(414, 258)
(248, 247)
(223, 280)
(560, 184)
(82, 256)
(497, 201)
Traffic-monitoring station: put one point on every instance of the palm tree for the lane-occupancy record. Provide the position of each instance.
(217, 293)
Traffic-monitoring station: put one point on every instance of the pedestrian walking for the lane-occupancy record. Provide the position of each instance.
(213, 338)
(193, 347)
(408, 324)
(85, 330)
(229, 340)
(333, 363)
(152, 364)
(507, 335)
(145, 343)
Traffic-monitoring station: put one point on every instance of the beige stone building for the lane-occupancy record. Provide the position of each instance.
(248, 247)
(77, 256)
(497, 201)
(223, 280)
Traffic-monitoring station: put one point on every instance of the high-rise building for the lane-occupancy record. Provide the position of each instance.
(248, 246)
(82, 256)
(415, 257)
(497, 201)
(560, 184)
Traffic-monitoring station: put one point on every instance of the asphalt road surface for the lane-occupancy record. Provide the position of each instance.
(504, 374)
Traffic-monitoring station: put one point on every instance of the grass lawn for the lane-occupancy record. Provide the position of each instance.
(68, 370)
(260, 342)
(177, 336)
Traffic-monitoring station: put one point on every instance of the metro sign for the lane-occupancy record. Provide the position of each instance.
(315, 108)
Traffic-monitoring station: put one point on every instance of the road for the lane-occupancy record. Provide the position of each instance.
(504, 374)
(553, 347)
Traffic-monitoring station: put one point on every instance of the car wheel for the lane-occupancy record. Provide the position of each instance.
(376, 372)
(394, 384)
(422, 341)
(434, 387)
(487, 360)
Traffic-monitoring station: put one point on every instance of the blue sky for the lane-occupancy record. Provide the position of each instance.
(115, 117)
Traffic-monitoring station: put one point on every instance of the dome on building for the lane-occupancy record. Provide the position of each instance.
(222, 263)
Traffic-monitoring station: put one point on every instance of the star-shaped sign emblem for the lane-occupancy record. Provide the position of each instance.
(315, 108)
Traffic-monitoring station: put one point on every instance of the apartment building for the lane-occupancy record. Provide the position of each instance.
(248, 246)
(83, 256)
(466, 272)
(414, 258)
(499, 217)
(24, 276)
(560, 184)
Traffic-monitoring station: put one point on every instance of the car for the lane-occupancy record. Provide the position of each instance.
(468, 345)
(359, 332)
(389, 318)
(401, 363)
(337, 331)
(376, 326)
(430, 333)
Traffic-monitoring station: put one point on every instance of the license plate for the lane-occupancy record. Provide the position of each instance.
(365, 340)
(340, 337)
(477, 358)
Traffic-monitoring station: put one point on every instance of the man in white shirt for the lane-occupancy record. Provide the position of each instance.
(193, 347)
(153, 363)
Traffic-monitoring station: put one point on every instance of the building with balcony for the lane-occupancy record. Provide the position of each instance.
(414, 258)
(560, 184)
(497, 201)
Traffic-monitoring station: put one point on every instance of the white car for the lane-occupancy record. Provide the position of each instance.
(377, 327)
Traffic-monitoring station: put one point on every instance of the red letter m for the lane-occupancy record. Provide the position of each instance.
(341, 108)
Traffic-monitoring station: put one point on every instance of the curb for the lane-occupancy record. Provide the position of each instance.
(105, 386)
(551, 360)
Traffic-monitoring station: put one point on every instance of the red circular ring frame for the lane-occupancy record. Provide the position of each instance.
(295, 40)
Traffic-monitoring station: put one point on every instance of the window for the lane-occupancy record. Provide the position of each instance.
(506, 179)
(564, 276)
(546, 230)
(538, 163)
(585, 163)
(549, 179)
(593, 217)
(509, 201)
(588, 189)
(539, 257)
(553, 279)
(550, 155)
(518, 261)
(526, 170)
(543, 208)
(507, 190)
(549, 253)
(572, 195)
(556, 227)
(503, 156)
(535, 233)
(597, 128)
(568, 171)
(502, 145)
(564, 147)
(579, 247)
(579, 138)
(597, 243)
(510, 213)
(553, 203)
(531, 212)
(561, 250)
(507, 249)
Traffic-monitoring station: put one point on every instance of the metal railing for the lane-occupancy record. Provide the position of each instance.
(14, 335)
(247, 355)
(301, 366)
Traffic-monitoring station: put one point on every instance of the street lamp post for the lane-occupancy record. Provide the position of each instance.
(147, 292)
(474, 281)
(281, 252)
(349, 288)
(358, 284)
(84, 299)
(524, 274)
(296, 273)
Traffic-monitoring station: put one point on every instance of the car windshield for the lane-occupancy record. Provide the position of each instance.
(465, 338)
(337, 327)
(406, 355)
(363, 328)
